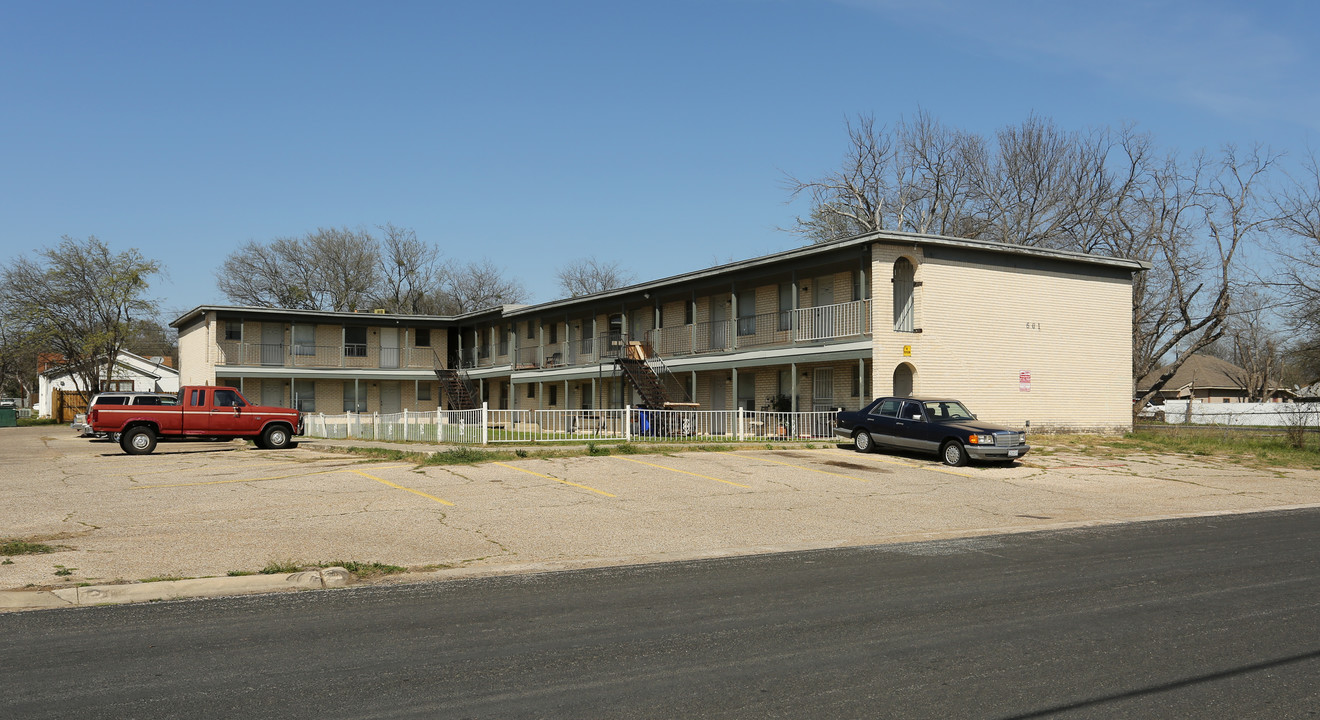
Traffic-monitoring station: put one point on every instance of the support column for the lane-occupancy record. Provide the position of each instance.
(862, 399)
(793, 393)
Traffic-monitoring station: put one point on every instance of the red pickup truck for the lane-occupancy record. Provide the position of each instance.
(201, 412)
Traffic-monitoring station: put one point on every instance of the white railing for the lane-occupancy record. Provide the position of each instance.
(826, 322)
(555, 425)
(483, 426)
(463, 427)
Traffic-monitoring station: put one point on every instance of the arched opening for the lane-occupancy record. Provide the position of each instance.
(905, 380)
(905, 316)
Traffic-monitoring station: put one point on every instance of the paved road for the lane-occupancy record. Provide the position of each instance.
(1214, 617)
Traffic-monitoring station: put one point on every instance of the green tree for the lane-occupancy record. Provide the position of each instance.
(79, 300)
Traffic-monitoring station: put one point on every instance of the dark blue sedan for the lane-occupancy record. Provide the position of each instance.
(940, 426)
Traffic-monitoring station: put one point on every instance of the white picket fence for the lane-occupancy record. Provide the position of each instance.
(484, 426)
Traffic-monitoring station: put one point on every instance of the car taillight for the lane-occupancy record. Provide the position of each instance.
(91, 415)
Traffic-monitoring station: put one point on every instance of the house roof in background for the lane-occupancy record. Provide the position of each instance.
(1200, 371)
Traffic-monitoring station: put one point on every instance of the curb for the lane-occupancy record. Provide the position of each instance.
(331, 577)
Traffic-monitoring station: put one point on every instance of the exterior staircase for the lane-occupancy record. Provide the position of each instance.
(646, 372)
(456, 386)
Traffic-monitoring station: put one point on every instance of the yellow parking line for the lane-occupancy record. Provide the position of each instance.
(258, 479)
(400, 487)
(685, 472)
(800, 467)
(558, 480)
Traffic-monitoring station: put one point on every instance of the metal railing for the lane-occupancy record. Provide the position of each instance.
(483, 426)
(350, 355)
(827, 322)
(462, 427)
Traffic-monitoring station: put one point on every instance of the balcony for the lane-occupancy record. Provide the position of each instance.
(813, 325)
(350, 355)
(840, 321)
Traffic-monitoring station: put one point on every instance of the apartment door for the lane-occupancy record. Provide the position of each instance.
(272, 392)
(719, 324)
(822, 390)
(272, 344)
(391, 399)
(389, 348)
(824, 312)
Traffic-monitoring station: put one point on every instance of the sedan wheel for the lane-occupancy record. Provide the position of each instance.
(862, 441)
(953, 453)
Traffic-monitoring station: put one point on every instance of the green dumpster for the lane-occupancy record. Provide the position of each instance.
(8, 417)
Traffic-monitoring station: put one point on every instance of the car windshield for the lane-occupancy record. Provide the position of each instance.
(946, 411)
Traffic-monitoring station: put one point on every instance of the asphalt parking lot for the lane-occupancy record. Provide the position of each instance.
(205, 509)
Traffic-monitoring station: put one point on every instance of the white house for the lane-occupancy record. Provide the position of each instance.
(131, 373)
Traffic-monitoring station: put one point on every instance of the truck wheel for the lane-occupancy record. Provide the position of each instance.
(862, 441)
(138, 441)
(953, 453)
(276, 437)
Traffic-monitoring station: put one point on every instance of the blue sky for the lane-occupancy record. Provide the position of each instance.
(653, 134)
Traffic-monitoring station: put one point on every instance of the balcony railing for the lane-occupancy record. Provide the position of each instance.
(829, 322)
(348, 355)
(839, 321)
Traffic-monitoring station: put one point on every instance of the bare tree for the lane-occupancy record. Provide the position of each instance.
(346, 264)
(280, 274)
(465, 287)
(329, 269)
(1098, 191)
(589, 275)
(408, 272)
(1298, 250)
(78, 301)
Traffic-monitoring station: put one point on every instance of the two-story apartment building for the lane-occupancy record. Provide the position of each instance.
(1018, 333)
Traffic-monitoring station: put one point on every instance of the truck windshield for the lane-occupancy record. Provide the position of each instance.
(946, 411)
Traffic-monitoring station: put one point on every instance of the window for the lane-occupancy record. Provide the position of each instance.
(423, 391)
(304, 395)
(911, 411)
(355, 342)
(422, 337)
(354, 403)
(554, 395)
(785, 307)
(861, 289)
(504, 331)
(554, 333)
(531, 391)
(531, 331)
(747, 391)
(198, 398)
(904, 304)
(228, 398)
(689, 311)
(889, 408)
(111, 400)
(747, 312)
(304, 340)
(233, 330)
(119, 386)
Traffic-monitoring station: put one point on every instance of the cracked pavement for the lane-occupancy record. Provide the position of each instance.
(205, 509)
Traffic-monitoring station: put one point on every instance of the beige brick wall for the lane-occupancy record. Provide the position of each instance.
(985, 323)
(197, 353)
(674, 313)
